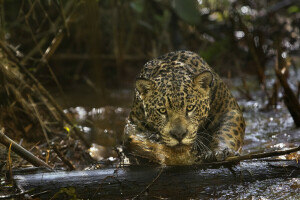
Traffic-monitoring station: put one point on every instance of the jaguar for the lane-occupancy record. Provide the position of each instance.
(183, 113)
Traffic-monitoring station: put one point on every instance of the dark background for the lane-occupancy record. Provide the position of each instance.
(102, 45)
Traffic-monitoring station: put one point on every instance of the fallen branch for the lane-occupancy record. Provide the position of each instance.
(171, 182)
(262, 155)
(21, 151)
(124, 182)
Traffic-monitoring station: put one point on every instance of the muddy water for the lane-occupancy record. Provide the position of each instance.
(265, 131)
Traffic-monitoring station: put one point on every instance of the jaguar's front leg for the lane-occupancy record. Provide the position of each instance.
(228, 138)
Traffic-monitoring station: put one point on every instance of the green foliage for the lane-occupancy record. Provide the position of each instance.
(293, 9)
(215, 50)
(187, 10)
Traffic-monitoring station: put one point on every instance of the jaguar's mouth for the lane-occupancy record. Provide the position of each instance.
(181, 147)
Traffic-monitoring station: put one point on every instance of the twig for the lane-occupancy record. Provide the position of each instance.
(9, 164)
(21, 151)
(246, 88)
(53, 46)
(43, 58)
(39, 194)
(254, 156)
(64, 18)
(39, 118)
(11, 196)
(62, 157)
(150, 184)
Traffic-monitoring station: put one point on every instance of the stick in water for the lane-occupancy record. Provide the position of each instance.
(21, 151)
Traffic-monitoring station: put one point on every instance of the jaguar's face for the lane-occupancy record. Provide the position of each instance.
(175, 108)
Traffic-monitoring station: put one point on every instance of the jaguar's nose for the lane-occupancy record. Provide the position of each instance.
(178, 134)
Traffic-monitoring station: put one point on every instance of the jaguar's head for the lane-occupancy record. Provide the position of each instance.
(175, 107)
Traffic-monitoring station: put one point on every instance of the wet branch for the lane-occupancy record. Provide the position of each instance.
(21, 151)
(62, 157)
(290, 99)
(259, 155)
(172, 182)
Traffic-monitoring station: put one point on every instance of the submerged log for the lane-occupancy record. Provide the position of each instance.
(154, 181)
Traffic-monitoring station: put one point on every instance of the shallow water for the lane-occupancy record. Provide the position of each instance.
(264, 129)
(272, 129)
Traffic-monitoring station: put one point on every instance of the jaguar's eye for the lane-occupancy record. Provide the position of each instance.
(190, 108)
(162, 111)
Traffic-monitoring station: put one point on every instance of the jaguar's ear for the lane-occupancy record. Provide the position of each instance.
(143, 86)
(203, 80)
